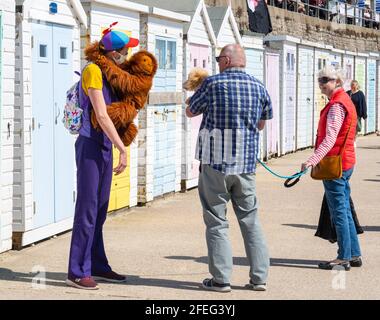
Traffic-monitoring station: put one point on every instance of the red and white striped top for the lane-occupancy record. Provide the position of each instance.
(335, 119)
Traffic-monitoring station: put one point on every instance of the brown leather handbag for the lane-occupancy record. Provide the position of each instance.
(330, 167)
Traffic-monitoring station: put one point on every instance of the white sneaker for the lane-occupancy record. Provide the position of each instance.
(256, 287)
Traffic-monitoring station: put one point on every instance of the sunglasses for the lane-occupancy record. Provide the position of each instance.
(218, 58)
(324, 80)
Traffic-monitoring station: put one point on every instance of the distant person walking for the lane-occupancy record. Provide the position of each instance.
(358, 98)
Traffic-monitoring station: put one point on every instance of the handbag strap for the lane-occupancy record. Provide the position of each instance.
(345, 139)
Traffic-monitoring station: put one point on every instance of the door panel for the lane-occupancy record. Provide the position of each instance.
(290, 100)
(199, 58)
(371, 96)
(360, 76)
(43, 125)
(305, 98)
(164, 149)
(64, 160)
(320, 100)
(273, 87)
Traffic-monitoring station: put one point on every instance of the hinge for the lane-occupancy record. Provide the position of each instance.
(72, 46)
(32, 41)
(32, 123)
(34, 207)
(74, 195)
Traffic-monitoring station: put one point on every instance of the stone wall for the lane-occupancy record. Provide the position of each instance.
(340, 36)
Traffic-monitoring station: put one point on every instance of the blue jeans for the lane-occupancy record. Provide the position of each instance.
(338, 199)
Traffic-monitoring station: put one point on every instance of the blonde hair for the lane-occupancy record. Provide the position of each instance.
(332, 73)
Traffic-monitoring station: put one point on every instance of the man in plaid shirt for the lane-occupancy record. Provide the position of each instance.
(235, 106)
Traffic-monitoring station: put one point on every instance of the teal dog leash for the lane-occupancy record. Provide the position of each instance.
(288, 183)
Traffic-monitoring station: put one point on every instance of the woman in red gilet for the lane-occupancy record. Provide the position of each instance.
(337, 119)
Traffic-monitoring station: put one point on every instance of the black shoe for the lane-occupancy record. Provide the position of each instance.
(210, 284)
(332, 265)
(356, 262)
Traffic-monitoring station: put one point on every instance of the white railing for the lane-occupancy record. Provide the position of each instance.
(340, 12)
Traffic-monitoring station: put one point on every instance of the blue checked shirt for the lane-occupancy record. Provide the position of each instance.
(232, 103)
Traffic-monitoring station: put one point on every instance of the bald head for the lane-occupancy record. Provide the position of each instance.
(236, 54)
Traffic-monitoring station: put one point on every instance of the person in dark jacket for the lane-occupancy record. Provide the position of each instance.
(358, 98)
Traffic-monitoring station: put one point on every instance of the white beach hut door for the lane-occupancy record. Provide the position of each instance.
(290, 100)
(371, 96)
(53, 151)
(42, 125)
(64, 165)
(305, 97)
(273, 86)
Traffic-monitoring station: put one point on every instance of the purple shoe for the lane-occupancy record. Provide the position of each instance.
(87, 283)
(110, 277)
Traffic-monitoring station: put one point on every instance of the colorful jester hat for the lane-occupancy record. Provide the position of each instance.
(116, 40)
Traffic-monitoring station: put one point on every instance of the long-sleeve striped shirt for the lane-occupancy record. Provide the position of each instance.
(335, 119)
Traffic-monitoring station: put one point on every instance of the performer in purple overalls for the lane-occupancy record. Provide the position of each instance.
(88, 261)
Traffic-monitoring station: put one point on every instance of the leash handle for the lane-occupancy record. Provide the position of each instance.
(289, 183)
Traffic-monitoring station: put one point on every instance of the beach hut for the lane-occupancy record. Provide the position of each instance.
(272, 83)
(225, 28)
(287, 46)
(100, 15)
(160, 137)
(348, 68)
(7, 79)
(336, 57)
(305, 95)
(361, 77)
(321, 60)
(371, 92)
(254, 50)
(47, 54)
(199, 42)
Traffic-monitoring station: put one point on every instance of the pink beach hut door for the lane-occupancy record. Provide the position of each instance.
(199, 58)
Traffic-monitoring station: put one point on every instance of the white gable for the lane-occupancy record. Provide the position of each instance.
(200, 30)
(226, 34)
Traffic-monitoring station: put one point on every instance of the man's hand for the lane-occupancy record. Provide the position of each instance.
(189, 114)
(122, 163)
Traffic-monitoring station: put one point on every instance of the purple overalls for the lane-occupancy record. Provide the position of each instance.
(93, 152)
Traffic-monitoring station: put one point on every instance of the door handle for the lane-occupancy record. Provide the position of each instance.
(56, 118)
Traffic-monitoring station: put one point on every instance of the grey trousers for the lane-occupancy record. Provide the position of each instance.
(215, 191)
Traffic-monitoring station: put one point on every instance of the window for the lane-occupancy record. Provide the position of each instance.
(63, 53)
(204, 64)
(290, 62)
(172, 55)
(43, 51)
(166, 53)
(160, 53)
(195, 62)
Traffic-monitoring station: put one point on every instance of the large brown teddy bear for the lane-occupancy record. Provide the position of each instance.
(132, 82)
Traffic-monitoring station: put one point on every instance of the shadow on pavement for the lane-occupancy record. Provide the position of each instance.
(134, 280)
(372, 180)
(370, 147)
(274, 262)
(56, 279)
(308, 226)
